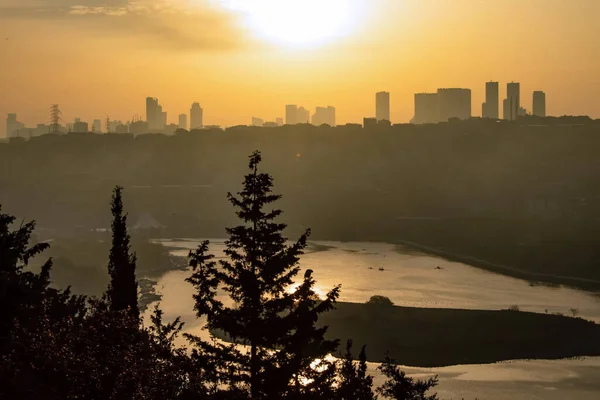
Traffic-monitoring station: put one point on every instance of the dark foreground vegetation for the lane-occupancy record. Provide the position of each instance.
(524, 194)
(440, 337)
(427, 337)
(58, 345)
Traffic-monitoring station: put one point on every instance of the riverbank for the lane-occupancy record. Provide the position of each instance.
(427, 337)
(534, 278)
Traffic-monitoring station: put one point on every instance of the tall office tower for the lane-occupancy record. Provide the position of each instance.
(302, 116)
(489, 109)
(382, 106)
(539, 104)
(279, 121)
(182, 121)
(324, 116)
(257, 121)
(153, 115)
(512, 104)
(426, 108)
(196, 117)
(454, 103)
(163, 119)
(291, 114)
(97, 126)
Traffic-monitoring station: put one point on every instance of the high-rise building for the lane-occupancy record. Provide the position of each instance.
(302, 116)
(382, 106)
(153, 113)
(370, 123)
(324, 116)
(79, 126)
(291, 114)
(512, 103)
(163, 119)
(138, 127)
(257, 121)
(182, 121)
(489, 109)
(426, 108)
(13, 125)
(97, 126)
(539, 104)
(196, 117)
(454, 103)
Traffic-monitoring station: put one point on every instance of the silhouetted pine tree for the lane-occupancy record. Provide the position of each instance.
(354, 382)
(122, 290)
(398, 386)
(266, 314)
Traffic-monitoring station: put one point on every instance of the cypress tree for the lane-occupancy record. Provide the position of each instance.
(266, 314)
(354, 382)
(122, 290)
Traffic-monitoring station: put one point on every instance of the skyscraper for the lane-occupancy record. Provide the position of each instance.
(302, 116)
(489, 109)
(291, 114)
(182, 121)
(454, 103)
(324, 115)
(153, 113)
(512, 103)
(13, 125)
(97, 126)
(539, 104)
(426, 108)
(382, 106)
(196, 116)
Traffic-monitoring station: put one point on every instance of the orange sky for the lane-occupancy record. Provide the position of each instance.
(103, 57)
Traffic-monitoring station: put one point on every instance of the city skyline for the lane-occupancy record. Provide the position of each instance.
(436, 47)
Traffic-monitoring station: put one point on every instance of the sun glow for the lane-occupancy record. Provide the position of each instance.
(299, 23)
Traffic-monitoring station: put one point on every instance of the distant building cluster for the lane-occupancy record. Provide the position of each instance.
(455, 103)
(444, 105)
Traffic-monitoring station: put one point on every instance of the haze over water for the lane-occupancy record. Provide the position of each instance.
(412, 279)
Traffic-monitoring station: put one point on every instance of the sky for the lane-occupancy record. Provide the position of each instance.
(244, 58)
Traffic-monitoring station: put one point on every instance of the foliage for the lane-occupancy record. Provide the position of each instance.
(277, 323)
(378, 300)
(398, 386)
(122, 291)
(354, 382)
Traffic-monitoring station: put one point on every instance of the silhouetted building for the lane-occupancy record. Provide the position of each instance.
(302, 116)
(163, 120)
(291, 114)
(121, 128)
(154, 115)
(490, 108)
(539, 104)
(324, 115)
(522, 112)
(279, 121)
(79, 126)
(370, 123)
(182, 121)
(382, 106)
(454, 103)
(270, 124)
(512, 103)
(196, 116)
(257, 121)
(12, 125)
(170, 129)
(426, 108)
(138, 127)
(97, 126)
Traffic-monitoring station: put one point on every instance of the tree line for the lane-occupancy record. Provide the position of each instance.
(55, 344)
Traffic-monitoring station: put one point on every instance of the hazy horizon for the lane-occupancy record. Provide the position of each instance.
(242, 59)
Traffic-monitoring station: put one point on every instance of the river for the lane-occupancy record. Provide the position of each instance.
(418, 280)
